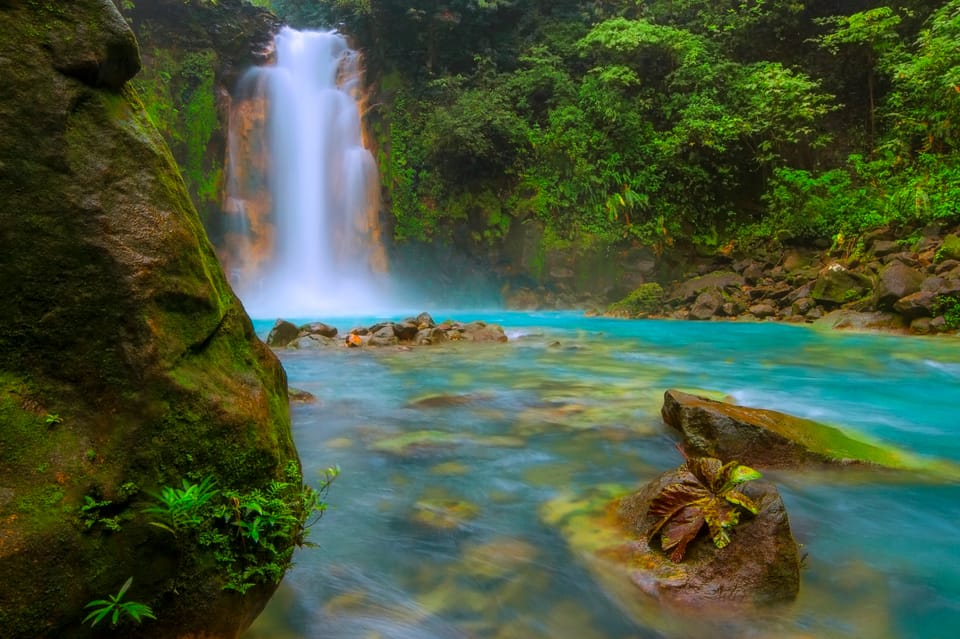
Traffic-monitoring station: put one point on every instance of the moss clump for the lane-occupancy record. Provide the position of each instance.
(643, 301)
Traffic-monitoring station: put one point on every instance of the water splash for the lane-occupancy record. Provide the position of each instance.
(302, 191)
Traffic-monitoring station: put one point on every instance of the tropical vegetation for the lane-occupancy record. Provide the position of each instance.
(655, 122)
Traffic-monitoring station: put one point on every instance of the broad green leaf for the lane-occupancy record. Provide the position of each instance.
(738, 498)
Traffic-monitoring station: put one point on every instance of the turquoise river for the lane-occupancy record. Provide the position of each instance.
(455, 459)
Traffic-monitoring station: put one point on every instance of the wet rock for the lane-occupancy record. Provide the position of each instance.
(706, 305)
(282, 333)
(882, 248)
(897, 280)
(761, 565)
(863, 320)
(429, 336)
(318, 328)
(919, 304)
(690, 289)
(406, 331)
(299, 396)
(159, 371)
(311, 342)
(100, 50)
(920, 326)
(838, 285)
(762, 311)
(383, 336)
(765, 438)
(950, 249)
(481, 332)
(803, 305)
(424, 320)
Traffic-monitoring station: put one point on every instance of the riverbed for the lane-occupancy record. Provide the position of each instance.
(453, 456)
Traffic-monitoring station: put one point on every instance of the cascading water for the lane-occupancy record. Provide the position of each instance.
(302, 191)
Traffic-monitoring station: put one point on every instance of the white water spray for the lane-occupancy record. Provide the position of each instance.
(316, 251)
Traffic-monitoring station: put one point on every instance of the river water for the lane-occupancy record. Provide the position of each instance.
(444, 534)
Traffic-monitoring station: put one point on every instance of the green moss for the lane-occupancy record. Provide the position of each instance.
(950, 249)
(179, 93)
(644, 300)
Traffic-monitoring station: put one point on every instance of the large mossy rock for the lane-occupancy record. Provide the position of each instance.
(126, 361)
(766, 438)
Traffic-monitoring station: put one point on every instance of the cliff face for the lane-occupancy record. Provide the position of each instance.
(126, 361)
(193, 57)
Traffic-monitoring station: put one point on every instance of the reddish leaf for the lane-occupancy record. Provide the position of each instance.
(682, 529)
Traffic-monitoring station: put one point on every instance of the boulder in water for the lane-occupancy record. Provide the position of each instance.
(760, 565)
(282, 333)
(766, 438)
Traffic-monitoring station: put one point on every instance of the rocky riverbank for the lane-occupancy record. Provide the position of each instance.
(885, 280)
(421, 330)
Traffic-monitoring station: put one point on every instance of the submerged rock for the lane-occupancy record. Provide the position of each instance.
(443, 514)
(427, 442)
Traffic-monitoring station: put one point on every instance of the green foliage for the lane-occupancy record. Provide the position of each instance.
(705, 494)
(648, 123)
(180, 508)
(251, 535)
(924, 107)
(179, 93)
(90, 514)
(117, 609)
(949, 307)
(52, 419)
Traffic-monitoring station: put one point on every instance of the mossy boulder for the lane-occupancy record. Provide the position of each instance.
(950, 249)
(126, 361)
(838, 285)
(771, 439)
(644, 300)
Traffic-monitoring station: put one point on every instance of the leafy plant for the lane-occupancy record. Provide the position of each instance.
(181, 507)
(116, 608)
(90, 514)
(52, 419)
(263, 522)
(250, 534)
(705, 494)
(949, 307)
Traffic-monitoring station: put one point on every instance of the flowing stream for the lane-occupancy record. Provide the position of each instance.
(450, 537)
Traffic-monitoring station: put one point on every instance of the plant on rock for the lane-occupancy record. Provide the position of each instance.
(705, 493)
(116, 608)
(181, 507)
(251, 534)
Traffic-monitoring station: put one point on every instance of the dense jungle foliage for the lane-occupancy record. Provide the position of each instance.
(661, 120)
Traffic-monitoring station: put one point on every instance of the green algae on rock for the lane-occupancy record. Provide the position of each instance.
(770, 439)
(115, 317)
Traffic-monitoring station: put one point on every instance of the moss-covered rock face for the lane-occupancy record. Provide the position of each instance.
(126, 362)
(193, 56)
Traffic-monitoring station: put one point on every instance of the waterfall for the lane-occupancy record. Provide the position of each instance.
(302, 192)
